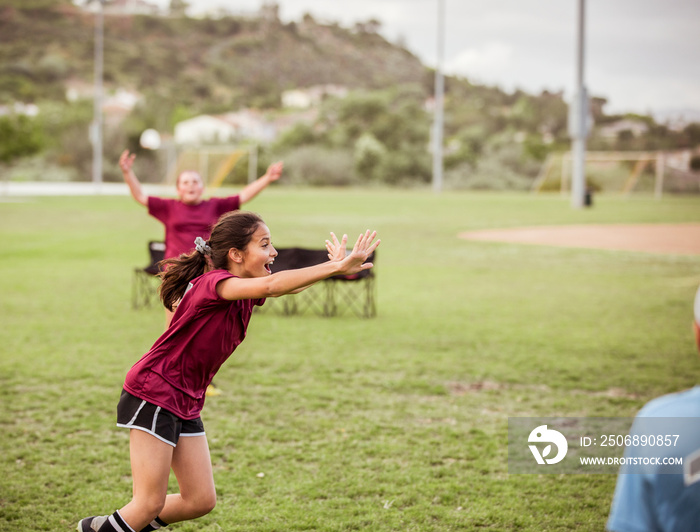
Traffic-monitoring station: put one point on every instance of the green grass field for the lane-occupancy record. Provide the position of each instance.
(392, 423)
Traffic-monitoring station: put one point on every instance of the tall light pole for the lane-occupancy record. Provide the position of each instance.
(578, 119)
(96, 135)
(439, 101)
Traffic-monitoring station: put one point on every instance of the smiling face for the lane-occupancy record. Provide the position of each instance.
(190, 188)
(258, 255)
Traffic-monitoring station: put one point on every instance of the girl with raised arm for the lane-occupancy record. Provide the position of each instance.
(217, 285)
(190, 216)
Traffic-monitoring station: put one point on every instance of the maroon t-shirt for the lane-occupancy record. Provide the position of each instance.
(183, 223)
(205, 330)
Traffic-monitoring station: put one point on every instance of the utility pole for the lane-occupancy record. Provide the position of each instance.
(578, 120)
(96, 133)
(439, 101)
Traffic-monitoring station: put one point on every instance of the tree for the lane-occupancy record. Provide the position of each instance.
(178, 7)
(369, 153)
(33, 4)
(695, 163)
(692, 132)
(19, 136)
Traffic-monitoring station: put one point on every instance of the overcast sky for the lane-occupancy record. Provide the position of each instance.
(642, 55)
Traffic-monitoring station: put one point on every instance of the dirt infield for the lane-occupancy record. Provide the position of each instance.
(677, 239)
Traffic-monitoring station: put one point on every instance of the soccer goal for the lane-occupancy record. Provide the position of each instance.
(622, 172)
(216, 164)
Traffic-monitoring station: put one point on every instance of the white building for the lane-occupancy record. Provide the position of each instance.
(611, 131)
(20, 108)
(221, 129)
(297, 98)
(311, 96)
(204, 129)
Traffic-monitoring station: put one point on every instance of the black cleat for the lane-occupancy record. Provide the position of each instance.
(91, 524)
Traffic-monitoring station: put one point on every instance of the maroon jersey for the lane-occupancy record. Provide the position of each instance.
(205, 330)
(183, 223)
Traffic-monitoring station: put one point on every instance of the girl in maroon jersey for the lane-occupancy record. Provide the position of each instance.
(218, 284)
(190, 215)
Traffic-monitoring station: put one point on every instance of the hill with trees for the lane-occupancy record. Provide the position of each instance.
(183, 67)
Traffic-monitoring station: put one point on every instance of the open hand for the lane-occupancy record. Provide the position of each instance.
(126, 161)
(274, 171)
(357, 260)
(336, 250)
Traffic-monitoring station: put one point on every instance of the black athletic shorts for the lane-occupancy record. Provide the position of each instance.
(135, 413)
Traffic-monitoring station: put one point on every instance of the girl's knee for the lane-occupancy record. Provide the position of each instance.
(206, 503)
(200, 503)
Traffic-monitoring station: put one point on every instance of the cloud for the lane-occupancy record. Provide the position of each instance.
(487, 63)
(640, 54)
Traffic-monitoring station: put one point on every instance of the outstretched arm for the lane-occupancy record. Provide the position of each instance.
(336, 252)
(273, 173)
(126, 162)
(288, 281)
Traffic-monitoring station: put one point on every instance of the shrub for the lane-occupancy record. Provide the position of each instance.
(19, 136)
(298, 135)
(406, 168)
(695, 163)
(369, 153)
(317, 166)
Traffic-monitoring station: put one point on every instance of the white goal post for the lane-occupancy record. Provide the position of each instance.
(214, 163)
(641, 160)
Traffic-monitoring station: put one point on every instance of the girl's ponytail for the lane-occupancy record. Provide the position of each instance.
(177, 273)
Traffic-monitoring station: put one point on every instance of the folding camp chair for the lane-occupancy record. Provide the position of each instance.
(145, 280)
(355, 293)
(332, 297)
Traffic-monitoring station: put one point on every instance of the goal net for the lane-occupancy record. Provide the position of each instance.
(622, 172)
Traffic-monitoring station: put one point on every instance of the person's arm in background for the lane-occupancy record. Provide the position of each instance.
(274, 172)
(126, 162)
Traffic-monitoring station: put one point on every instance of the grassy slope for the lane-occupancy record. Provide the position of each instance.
(195, 61)
(356, 424)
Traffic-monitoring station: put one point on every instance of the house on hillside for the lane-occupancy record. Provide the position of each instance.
(204, 129)
(77, 89)
(245, 124)
(116, 105)
(20, 108)
(612, 131)
(311, 96)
